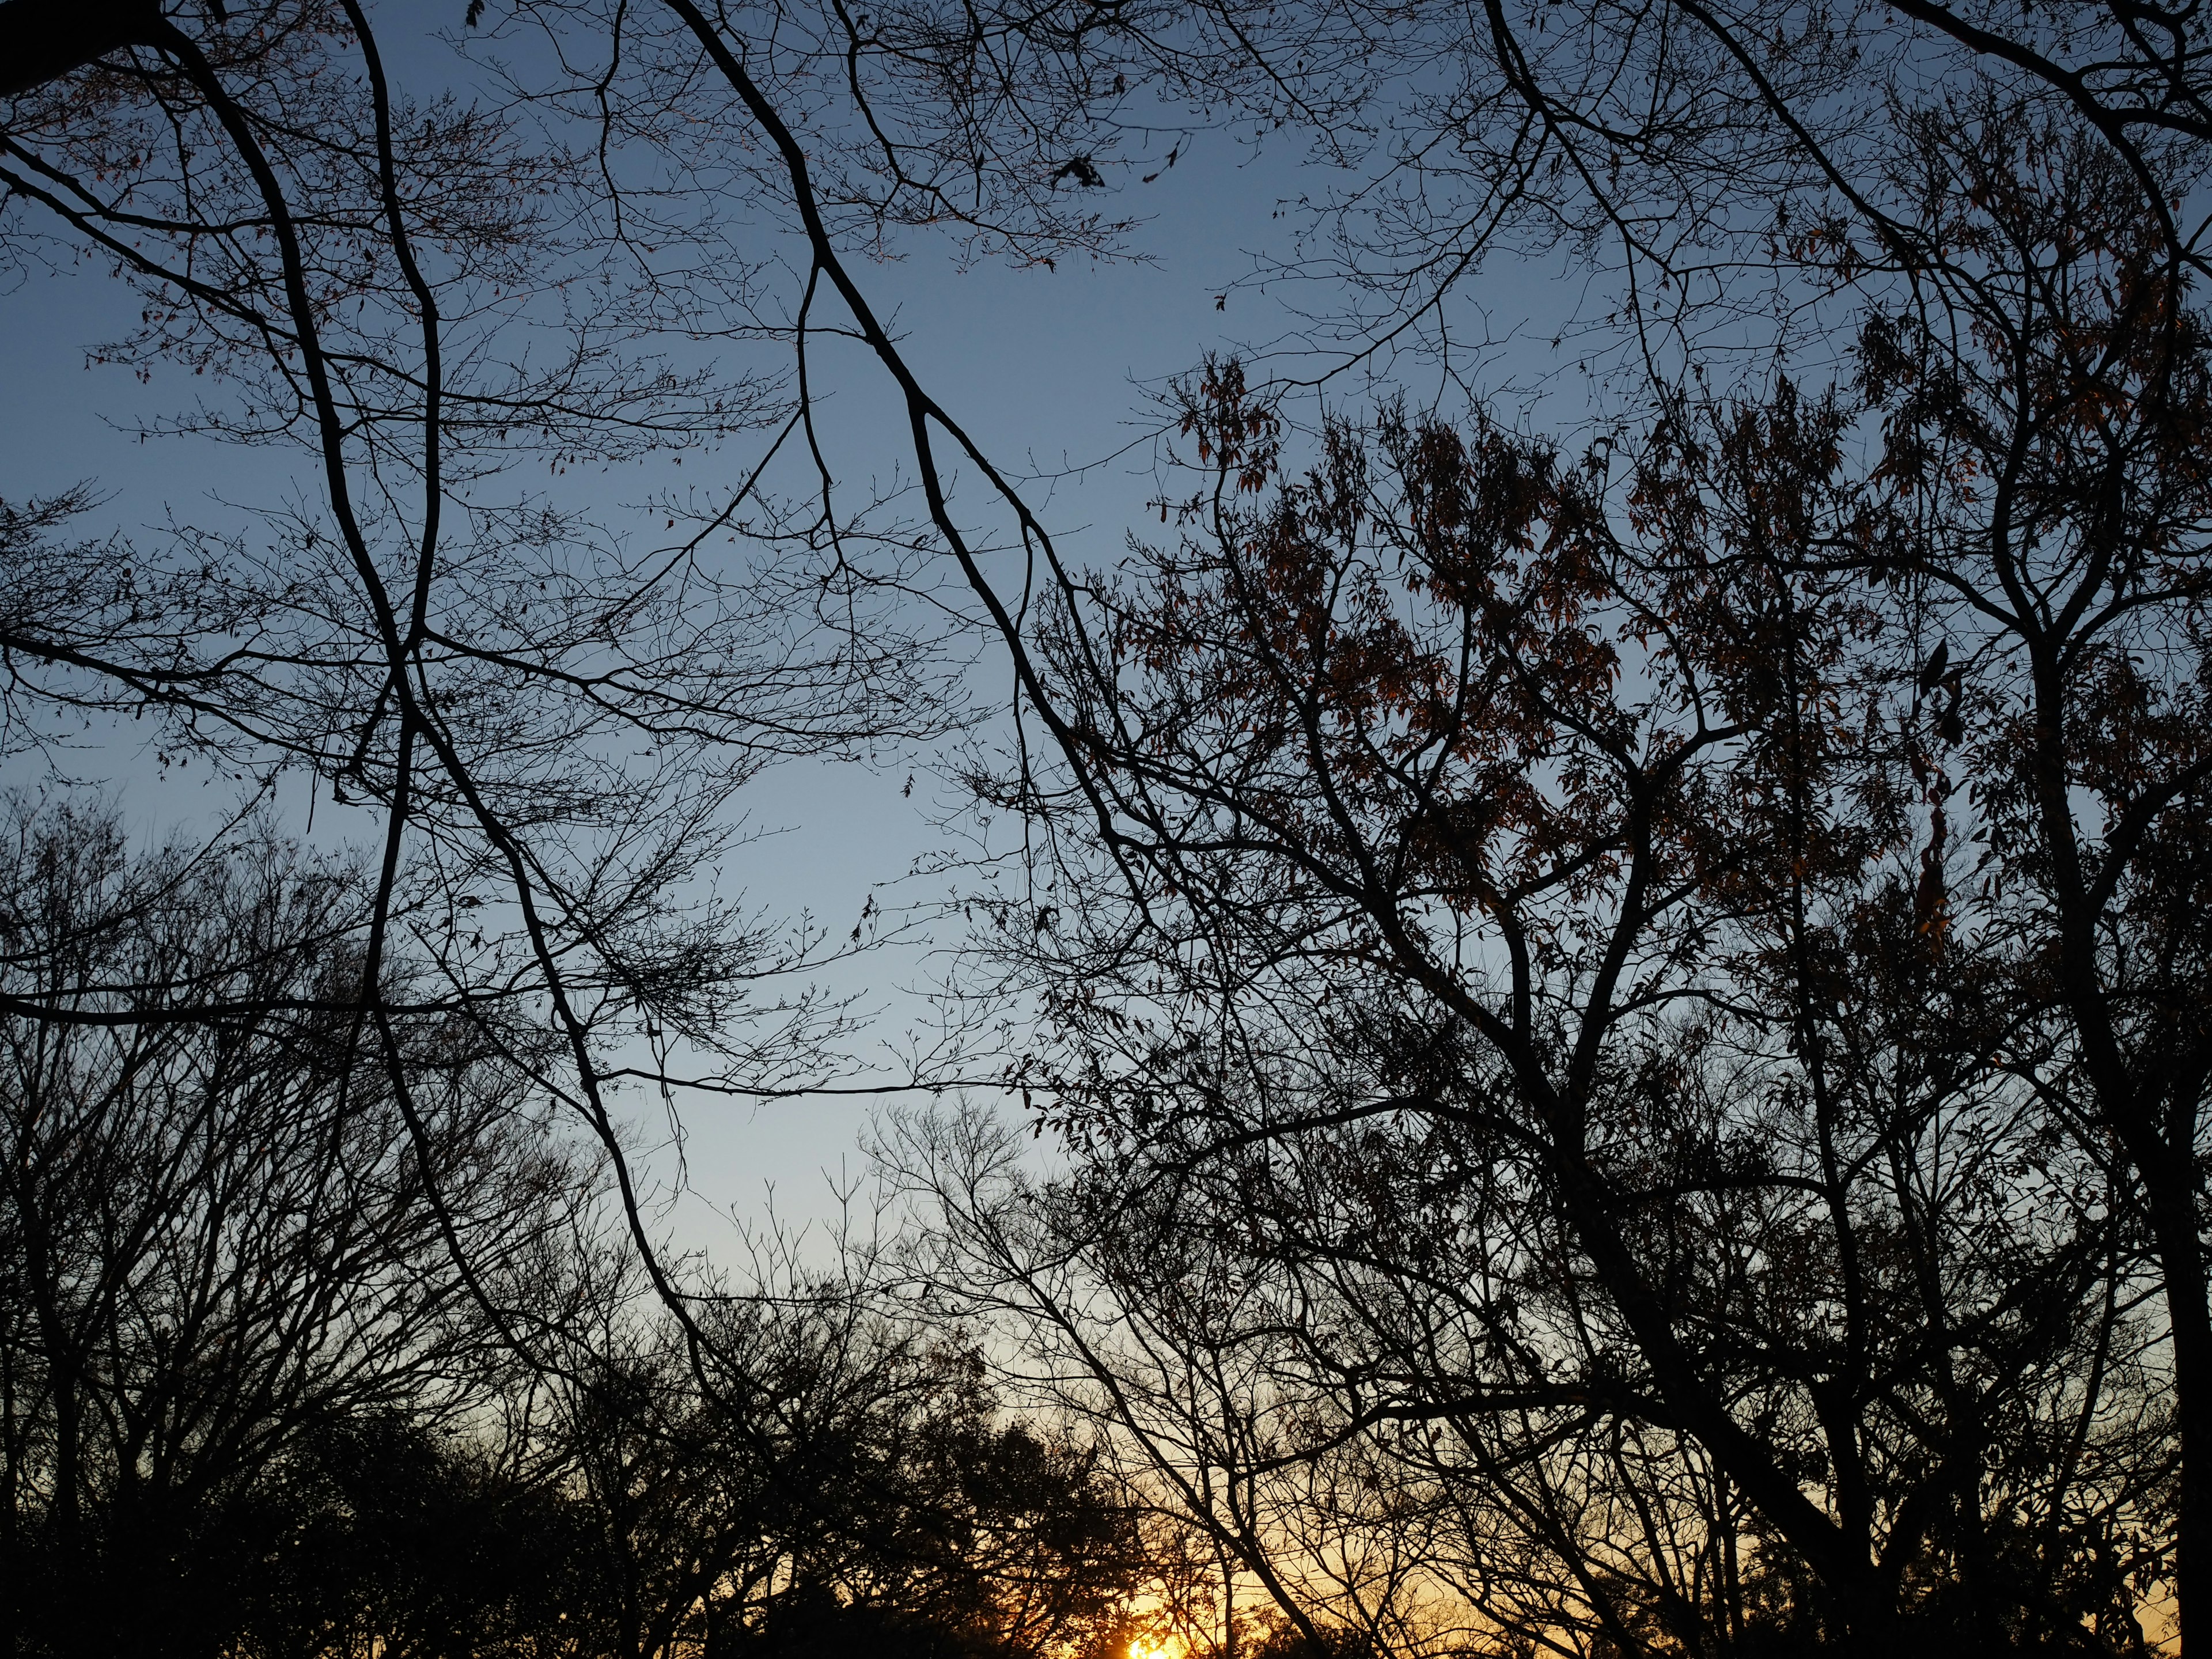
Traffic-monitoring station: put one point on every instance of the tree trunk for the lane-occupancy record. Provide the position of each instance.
(2181, 1260)
(42, 40)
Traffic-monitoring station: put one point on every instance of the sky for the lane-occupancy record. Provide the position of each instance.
(1050, 369)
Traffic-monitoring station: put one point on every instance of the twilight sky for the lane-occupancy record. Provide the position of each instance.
(1048, 368)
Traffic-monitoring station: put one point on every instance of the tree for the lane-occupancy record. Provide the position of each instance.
(2028, 345)
(380, 1534)
(854, 1486)
(253, 1401)
(2071, 581)
(1586, 841)
(222, 1239)
(544, 723)
(1121, 1305)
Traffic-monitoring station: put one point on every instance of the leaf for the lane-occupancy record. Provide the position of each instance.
(1932, 675)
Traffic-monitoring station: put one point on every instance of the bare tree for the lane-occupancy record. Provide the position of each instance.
(221, 1238)
(547, 720)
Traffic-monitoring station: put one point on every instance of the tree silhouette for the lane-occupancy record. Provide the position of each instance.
(1514, 907)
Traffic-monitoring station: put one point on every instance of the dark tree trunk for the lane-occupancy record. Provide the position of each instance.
(42, 40)
(2174, 1222)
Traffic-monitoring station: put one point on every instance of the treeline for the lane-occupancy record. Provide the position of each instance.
(264, 1383)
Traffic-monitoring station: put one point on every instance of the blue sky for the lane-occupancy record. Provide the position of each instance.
(1048, 368)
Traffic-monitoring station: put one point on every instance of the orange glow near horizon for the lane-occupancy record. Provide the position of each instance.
(1155, 1647)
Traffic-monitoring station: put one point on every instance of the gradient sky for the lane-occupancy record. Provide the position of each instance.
(1046, 368)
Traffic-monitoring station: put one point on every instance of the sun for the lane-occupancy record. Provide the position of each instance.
(1154, 1647)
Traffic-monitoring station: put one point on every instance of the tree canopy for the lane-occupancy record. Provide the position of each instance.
(1618, 987)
